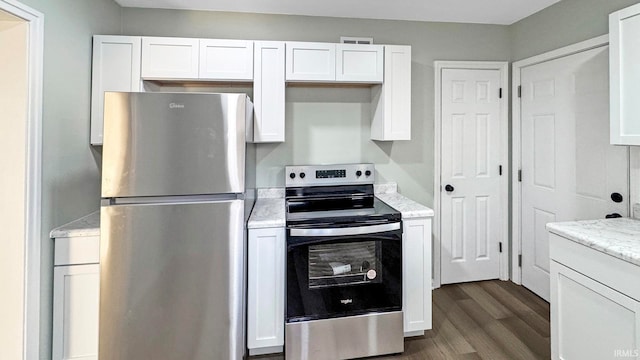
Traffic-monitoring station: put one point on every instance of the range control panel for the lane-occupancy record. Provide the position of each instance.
(318, 175)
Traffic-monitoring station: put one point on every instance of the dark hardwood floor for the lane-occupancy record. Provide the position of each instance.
(481, 320)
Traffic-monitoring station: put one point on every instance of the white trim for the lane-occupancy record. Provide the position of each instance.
(516, 274)
(31, 344)
(503, 67)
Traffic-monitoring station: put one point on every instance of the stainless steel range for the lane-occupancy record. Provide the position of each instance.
(344, 265)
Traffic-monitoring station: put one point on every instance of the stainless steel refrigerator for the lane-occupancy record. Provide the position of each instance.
(173, 215)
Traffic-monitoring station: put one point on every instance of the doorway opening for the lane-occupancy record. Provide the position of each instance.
(21, 56)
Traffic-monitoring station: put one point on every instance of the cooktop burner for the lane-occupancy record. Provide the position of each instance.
(334, 195)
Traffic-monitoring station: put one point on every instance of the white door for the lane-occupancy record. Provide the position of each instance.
(569, 169)
(471, 210)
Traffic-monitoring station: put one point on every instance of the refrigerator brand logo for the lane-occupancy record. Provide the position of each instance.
(346, 301)
(176, 106)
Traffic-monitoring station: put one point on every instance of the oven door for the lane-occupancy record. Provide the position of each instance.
(343, 271)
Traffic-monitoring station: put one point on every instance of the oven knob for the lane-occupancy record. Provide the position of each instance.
(302, 175)
(358, 173)
(292, 175)
(367, 173)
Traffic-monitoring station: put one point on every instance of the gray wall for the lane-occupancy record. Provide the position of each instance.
(564, 23)
(70, 176)
(332, 125)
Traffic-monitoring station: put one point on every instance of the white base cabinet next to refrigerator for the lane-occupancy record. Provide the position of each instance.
(266, 290)
(76, 296)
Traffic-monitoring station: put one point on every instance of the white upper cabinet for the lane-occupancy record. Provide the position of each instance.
(391, 101)
(230, 60)
(325, 62)
(170, 58)
(312, 62)
(359, 63)
(624, 65)
(116, 67)
(269, 91)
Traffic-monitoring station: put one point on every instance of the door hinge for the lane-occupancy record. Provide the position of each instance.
(500, 170)
(520, 260)
(500, 93)
(520, 175)
(500, 246)
(519, 91)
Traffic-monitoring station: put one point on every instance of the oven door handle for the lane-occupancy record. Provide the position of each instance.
(360, 230)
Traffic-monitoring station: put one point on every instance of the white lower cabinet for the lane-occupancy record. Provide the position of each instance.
(416, 276)
(595, 307)
(76, 297)
(266, 291)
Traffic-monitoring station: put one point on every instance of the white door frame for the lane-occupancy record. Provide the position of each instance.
(600, 41)
(33, 178)
(503, 67)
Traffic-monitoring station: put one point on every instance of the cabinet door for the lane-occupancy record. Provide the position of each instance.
(359, 63)
(266, 277)
(590, 320)
(624, 56)
(268, 91)
(170, 58)
(116, 67)
(314, 62)
(391, 101)
(230, 60)
(416, 275)
(75, 312)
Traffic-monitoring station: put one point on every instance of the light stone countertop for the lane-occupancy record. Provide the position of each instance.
(269, 210)
(617, 237)
(88, 225)
(408, 208)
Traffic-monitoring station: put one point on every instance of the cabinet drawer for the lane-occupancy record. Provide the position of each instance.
(77, 250)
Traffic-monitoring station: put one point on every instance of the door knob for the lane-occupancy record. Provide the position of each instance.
(449, 188)
(617, 197)
(613, 216)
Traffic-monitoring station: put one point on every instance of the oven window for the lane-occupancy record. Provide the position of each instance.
(342, 264)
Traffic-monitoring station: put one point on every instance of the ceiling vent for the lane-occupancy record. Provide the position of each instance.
(356, 40)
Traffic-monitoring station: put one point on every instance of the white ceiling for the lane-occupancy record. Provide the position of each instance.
(504, 12)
